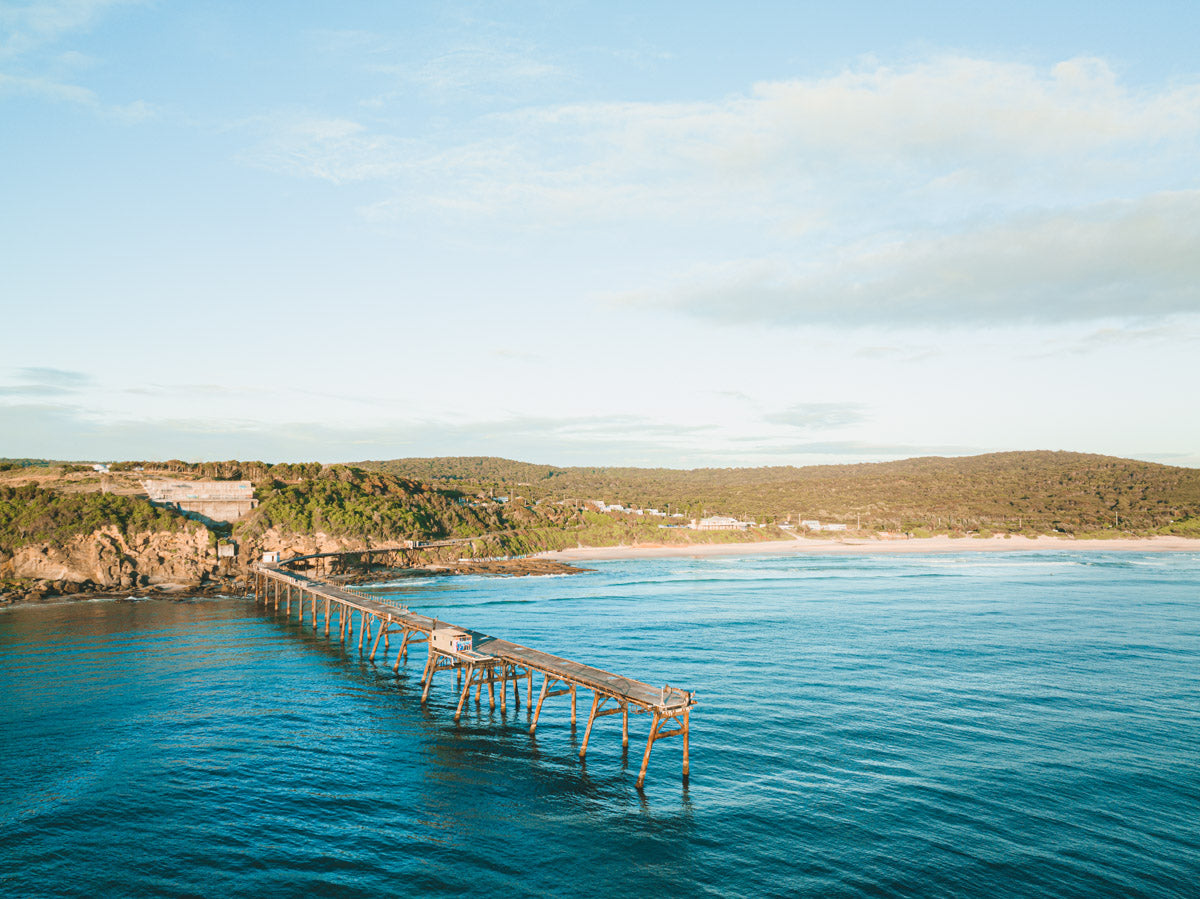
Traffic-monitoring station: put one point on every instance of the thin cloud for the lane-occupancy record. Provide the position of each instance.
(45, 430)
(859, 450)
(61, 377)
(952, 126)
(45, 382)
(811, 416)
(35, 390)
(894, 353)
(30, 25)
(957, 191)
(1125, 260)
(48, 89)
(1179, 329)
(484, 70)
(67, 431)
(44, 88)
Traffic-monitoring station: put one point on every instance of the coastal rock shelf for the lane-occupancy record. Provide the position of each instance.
(483, 659)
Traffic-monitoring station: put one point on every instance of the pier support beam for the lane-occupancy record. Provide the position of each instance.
(477, 675)
(427, 677)
(401, 651)
(546, 691)
(681, 717)
(587, 731)
(465, 691)
(641, 778)
(599, 700)
(383, 626)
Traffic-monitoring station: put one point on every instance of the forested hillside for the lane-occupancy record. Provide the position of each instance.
(541, 506)
(346, 501)
(1031, 491)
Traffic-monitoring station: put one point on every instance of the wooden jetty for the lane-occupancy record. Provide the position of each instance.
(489, 661)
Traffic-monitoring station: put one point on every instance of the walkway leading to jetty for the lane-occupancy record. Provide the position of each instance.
(490, 662)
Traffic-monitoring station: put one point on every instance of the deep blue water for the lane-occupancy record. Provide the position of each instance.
(987, 725)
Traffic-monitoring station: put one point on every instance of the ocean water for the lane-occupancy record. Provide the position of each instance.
(942, 725)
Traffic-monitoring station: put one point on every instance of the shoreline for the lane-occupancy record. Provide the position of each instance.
(531, 567)
(808, 546)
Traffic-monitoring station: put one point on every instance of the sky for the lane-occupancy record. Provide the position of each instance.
(650, 234)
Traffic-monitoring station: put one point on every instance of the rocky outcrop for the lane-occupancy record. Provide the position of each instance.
(109, 560)
(289, 544)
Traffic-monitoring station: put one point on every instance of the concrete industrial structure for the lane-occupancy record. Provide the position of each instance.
(208, 500)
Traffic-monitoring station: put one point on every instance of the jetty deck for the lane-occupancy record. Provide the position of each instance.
(493, 662)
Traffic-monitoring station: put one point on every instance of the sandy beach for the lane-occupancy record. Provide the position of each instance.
(896, 545)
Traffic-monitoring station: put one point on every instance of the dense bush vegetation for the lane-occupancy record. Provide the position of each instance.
(348, 502)
(29, 514)
(232, 470)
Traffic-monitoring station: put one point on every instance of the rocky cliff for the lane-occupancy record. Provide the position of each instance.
(109, 560)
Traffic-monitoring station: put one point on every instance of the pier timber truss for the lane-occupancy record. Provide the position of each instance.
(493, 662)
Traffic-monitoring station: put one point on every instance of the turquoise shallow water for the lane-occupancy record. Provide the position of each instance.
(1017, 724)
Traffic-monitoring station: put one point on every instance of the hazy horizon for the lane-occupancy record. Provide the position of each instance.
(92, 460)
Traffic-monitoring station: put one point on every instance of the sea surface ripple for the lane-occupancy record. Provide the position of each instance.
(957, 725)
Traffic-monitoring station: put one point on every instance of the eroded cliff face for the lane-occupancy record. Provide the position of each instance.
(106, 559)
(289, 544)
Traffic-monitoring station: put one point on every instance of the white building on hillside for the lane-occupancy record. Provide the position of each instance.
(719, 523)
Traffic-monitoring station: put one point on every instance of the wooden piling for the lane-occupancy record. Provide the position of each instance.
(427, 678)
(537, 712)
(587, 731)
(401, 651)
(375, 645)
(641, 778)
(686, 728)
(466, 689)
